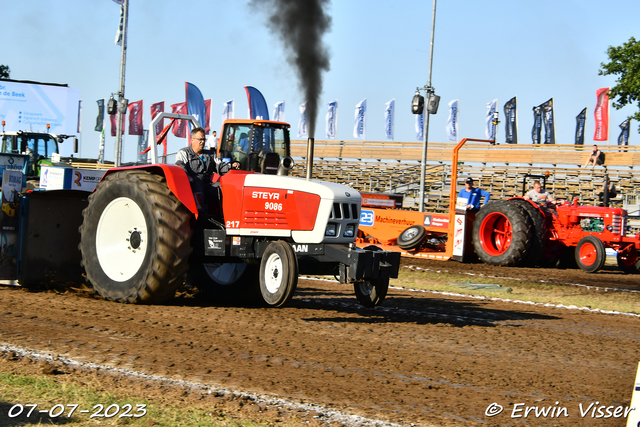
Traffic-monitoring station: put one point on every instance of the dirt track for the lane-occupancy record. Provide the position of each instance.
(420, 358)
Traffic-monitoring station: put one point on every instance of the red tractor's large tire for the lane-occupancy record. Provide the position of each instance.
(629, 262)
(590, 254)
(502, 234)
(538, 236)
(135, 238)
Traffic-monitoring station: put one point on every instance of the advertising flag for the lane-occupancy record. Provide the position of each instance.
(537, 125)
(227, 112)
(549, 123)
(156, 109)
(278, 112)
(360, 119)
(623, 139)
(120, 25)
(120, 2)
(135, 118)
(180, 126)
(143, 143)
(258, 109)
(511, 121)
(389, 112)
(100, 118)
(195, 104)
(490, 128)
(581, 120)
(332, 120)
(452, 121)
(420, 126)
(80, 116)
(303, 131)
(113, 120)
(602, 115)
(207, 116)
(101, 147)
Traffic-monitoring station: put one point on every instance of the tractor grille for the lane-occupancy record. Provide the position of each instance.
(344, 211)
(617, 224)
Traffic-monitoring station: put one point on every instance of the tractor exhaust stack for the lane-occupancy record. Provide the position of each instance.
(310, 142)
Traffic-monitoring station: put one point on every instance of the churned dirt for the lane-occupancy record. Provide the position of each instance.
(420, 358)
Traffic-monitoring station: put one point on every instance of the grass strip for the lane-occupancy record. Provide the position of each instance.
(625, 302)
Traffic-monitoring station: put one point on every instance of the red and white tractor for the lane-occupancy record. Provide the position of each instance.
(142, 229)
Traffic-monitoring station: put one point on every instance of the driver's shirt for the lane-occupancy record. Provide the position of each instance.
(536, 197)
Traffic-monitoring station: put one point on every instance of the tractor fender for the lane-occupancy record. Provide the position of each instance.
(177, 181)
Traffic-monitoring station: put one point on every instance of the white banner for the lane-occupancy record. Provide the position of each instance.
(227, 112)
(278, 112)
(420, 125)
(360, 120)
(389, 112)
(452, 121)
(490, 128)
(303, 131)
(332, 120)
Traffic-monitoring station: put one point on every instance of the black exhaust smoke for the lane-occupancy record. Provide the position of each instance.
(300, 24)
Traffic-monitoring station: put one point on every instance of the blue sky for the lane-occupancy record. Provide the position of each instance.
(379, 51)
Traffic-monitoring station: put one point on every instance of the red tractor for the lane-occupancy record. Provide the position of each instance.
(142, 229)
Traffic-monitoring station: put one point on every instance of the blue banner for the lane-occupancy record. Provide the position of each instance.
(537, 125)
(511, 121)
(623, 139)
(549, 123)
(389, 112)
(195, 104)
(360, 119)
(452, 121)
(580, 123)
(278, 112)
(420, 126)
(258, 109)
(332, 120)
(490, 128)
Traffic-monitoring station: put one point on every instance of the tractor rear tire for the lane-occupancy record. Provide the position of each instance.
(278, 273)
(411, 237)
(135, 238)
(502, 234)
(539, 225)
(371, 292)
(630, 264)
(590, 254)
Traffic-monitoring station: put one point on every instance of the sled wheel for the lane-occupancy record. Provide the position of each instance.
(135, 238)
(371, 292)
(502, 234)
(411, 237)
(628, 261)
(538, 236)
(224, 280)
(278, 273)
(590, 254)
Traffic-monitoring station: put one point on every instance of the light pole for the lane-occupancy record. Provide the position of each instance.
(122, 102)
(430, 109)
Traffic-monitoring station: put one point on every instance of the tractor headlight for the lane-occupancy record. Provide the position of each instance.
(349, 231)
(609, 227)
(331, 230)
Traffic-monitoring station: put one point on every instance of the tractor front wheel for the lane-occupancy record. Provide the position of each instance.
(135, 238)
(371, 292)
(278, 273)
(628, 261)
(502, 234)
(590, 254)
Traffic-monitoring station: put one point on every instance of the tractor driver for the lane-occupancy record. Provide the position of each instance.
(473, 195)
(199, 164)
(539, 194)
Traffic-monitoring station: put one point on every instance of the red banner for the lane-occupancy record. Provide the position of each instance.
(180, 126)
(602, 115)
(207, 116)
(135, 118)
(112, 119)
(157, 108)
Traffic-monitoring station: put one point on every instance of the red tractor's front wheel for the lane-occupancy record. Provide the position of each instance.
(502, 234)
(590, 254)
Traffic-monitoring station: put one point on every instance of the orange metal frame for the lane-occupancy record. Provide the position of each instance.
(397, 220)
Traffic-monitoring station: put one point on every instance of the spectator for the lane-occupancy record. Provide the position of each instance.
(596, 157)
(473, 195)
(612, 192)
(539, 194)
(213, 141)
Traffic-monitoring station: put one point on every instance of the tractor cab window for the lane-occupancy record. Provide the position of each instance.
(258, 147)
(40, 146)
(8, 144)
